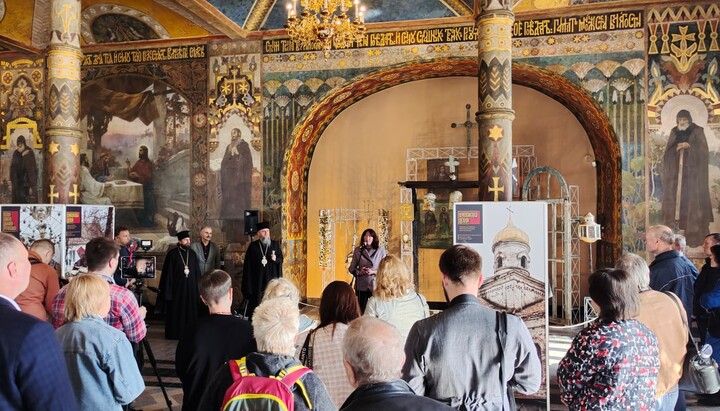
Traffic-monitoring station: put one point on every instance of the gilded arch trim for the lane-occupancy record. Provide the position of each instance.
(306, 135)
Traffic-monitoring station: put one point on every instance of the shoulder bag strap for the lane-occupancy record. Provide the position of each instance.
(291, 377)
(502, 336)
(306, 350)
(683, 317)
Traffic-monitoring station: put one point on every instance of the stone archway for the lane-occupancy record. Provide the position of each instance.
(306, 135)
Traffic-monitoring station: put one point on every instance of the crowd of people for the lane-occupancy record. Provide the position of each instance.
(388, 354)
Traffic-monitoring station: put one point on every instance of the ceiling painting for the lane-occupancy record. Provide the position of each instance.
(177, 26)
(16, 23)
(104, 23)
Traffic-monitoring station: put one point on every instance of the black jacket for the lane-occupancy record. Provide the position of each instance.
(395, 395)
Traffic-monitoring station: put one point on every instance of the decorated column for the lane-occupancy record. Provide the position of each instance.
(62, 132)
(494, 25)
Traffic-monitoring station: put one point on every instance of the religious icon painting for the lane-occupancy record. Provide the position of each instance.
(435, 225)
(437, 170)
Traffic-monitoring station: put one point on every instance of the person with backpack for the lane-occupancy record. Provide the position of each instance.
(270, 379)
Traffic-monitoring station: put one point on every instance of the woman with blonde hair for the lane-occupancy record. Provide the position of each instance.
(100, 360)
(282, 287)
(395, 299)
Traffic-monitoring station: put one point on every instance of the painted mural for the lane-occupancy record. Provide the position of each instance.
(235, 171)
(21, 105)
(683, 110)
(138, 136)
(145, 123)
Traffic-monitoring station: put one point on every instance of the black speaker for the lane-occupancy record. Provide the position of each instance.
(251, 221)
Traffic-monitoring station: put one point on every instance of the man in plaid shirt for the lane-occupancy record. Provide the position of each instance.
(102, 258)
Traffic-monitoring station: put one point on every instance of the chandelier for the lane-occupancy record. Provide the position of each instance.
(324, 24)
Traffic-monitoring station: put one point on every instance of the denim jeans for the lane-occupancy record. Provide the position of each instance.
(667, 401)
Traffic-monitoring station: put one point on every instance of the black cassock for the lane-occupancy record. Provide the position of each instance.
(255, 275)
(179, 292)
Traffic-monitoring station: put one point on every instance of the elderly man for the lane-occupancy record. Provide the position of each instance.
(212, 340)
(373, 359)
(663, 314)
(38, 297)
(466, 334)
(275, 327)
(178, 287)
(669, 271)
(263, 262)
(207, 252)
(32, 367)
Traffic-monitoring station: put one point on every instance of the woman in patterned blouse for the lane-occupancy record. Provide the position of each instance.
(613, 363)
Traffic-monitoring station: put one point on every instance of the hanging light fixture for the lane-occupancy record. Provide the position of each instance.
(324, 24)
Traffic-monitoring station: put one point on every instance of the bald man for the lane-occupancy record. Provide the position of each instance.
(32, 368)
(373, 358)
(37, 299)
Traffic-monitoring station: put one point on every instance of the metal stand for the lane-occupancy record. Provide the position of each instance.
(148, 349)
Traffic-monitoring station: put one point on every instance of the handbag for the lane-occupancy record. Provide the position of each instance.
(699, 375)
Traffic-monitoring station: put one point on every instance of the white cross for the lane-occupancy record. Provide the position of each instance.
(451, 164)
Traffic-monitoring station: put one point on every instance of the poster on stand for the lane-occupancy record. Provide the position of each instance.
(32, 222)
(511, 238)
(82, 224)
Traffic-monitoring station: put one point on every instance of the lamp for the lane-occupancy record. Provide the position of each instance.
(325, 23)
(589, 232)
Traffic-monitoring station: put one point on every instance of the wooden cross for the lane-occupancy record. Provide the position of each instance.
(468, 124)
(495, 189)
(53, 195)
(451, 164)
(75, 193)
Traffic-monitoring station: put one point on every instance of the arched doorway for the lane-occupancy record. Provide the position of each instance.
(299, 152)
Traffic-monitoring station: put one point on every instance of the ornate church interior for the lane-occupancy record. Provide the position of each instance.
(182, 114)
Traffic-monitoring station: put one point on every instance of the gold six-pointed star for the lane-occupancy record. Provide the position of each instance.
(495, 132)
(53, 147)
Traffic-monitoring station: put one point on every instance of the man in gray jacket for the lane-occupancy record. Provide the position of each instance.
(207, 251)
(455, 356)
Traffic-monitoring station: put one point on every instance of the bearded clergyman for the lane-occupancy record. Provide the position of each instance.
(179, 287)
(263, 262)
(686, 194)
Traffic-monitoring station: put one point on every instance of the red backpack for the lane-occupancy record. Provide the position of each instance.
(250, 392)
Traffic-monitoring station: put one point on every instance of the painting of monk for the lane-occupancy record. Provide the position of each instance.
(686, 195)
(235, 183)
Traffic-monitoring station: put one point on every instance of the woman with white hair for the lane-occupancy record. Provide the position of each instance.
(275, 325)
(281, 287)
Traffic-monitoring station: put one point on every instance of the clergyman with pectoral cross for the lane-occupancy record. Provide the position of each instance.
(263, 262)
(178, 287)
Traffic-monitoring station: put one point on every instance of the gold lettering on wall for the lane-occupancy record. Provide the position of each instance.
(144, 55)
(621, 20)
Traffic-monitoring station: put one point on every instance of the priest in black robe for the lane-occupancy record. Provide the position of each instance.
(179, 287)
(263, 262)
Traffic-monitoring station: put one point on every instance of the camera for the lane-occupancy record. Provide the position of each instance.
(137, 266)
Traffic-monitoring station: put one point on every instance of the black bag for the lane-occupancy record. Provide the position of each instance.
(699, 375)
(306, 352)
